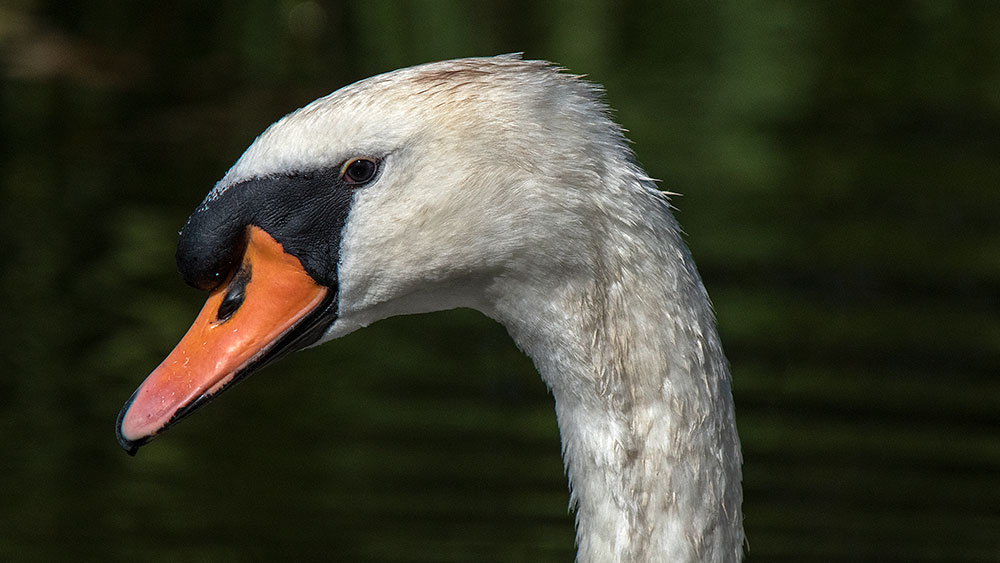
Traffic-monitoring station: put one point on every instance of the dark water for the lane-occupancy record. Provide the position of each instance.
(841, 180)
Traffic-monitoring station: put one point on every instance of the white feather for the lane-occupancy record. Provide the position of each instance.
(507, 188)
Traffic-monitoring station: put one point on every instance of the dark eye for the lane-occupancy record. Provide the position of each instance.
(359, 171)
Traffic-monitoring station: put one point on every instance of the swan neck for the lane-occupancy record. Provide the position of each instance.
(627, 343)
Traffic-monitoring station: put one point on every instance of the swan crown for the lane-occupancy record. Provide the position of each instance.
(507, 108)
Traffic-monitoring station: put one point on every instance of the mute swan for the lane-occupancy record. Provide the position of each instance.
(502, 185)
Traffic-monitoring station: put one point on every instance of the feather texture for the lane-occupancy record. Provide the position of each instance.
(505, 186)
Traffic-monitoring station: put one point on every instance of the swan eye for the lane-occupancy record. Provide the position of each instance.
(359, 171)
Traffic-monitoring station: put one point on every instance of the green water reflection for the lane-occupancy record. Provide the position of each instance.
(840, 177)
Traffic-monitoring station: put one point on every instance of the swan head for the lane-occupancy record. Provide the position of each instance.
(411, 191)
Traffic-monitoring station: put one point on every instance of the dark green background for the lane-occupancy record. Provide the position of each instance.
(840, 170)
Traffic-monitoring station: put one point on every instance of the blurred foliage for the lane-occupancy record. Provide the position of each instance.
(840, 176)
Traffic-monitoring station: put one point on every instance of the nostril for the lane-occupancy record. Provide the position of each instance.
(235, 294)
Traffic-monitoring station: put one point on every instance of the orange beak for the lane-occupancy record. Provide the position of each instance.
(251, 319)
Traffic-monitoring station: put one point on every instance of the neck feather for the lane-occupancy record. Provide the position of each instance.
(627, 343)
